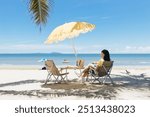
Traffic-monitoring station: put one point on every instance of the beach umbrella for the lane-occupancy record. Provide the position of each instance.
(68, 31)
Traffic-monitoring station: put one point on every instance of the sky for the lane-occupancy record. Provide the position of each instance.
(122, 26)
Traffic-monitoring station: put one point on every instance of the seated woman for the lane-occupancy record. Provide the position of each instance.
(105, 56)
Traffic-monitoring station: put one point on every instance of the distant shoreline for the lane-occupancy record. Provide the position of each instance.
(77, 53)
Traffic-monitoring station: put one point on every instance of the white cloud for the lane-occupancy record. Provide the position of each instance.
(41, 48)
(36, 48)
(63, 48)
(138, 49)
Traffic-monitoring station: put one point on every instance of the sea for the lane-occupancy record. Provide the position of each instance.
(37, 59)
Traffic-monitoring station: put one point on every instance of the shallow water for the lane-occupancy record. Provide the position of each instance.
(33, 59)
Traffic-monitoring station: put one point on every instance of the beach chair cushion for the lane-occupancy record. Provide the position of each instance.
(101, 70)
(51, 67)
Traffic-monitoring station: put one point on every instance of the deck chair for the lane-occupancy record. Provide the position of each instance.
(54, 72)
(79, 64)
(102, 72)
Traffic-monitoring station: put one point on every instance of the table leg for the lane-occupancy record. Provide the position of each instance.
(66, 75)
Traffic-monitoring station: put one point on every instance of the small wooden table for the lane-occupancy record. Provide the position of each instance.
(65, 68)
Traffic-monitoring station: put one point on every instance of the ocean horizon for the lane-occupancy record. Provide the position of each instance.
(34, 59)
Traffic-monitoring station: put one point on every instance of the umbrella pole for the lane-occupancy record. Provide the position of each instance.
(74, 49)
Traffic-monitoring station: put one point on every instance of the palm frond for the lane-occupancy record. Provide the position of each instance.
(40, 11)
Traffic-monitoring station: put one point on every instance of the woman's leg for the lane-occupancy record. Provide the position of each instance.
(85, 72)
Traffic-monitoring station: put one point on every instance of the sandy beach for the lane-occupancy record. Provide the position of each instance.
(27, 84)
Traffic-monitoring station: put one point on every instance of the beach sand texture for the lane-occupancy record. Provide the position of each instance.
(28, 84)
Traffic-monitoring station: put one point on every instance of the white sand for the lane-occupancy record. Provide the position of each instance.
(25, 84)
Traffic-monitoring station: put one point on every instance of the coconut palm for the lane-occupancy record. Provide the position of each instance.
(40, 11)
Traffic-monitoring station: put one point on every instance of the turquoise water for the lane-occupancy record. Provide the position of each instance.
(32, 59)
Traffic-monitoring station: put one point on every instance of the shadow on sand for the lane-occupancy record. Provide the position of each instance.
(20, 83)
(88, 91)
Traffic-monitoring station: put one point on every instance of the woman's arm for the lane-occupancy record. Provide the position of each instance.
(91, 67)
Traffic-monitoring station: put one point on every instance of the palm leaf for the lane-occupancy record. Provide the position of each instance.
(39, 10)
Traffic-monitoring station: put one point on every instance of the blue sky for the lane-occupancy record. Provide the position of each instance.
(122, 26)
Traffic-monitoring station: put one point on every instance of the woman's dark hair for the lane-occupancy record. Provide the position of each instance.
(106, 55)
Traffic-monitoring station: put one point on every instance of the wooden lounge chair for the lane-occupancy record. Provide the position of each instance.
(54, 72)
(102, 72)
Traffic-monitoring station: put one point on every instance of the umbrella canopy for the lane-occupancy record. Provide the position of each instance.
(68, 31)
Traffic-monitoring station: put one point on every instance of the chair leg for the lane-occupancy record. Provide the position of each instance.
(95, 79)
(110, 79)
(48, 78)
(56, 79)
(87, 79)
(66, 78)
(62, 78)
(66, 74)
(99, 81)
(105, 78)
(90, 79)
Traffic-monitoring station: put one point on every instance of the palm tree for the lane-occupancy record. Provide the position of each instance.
(40, 11)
